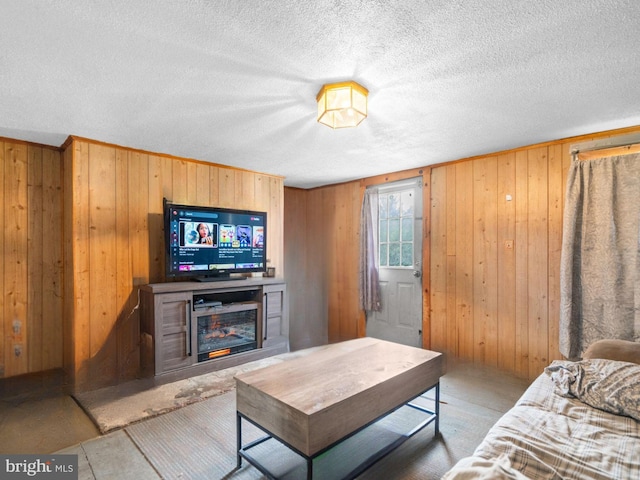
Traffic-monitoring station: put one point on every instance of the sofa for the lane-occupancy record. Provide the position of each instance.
(577, 420)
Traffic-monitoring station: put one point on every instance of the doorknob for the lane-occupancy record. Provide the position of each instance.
(417, 273)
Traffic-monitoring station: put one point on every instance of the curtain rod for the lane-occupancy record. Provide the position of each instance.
(608, 152)
(606, 143)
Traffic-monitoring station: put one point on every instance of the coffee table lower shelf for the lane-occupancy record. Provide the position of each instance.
(351, 455)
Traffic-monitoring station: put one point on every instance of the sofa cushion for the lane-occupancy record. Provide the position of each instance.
(621, 350)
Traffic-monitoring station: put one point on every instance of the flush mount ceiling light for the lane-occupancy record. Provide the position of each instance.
(342, 105)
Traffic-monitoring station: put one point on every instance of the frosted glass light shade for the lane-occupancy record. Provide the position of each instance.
(342, 105)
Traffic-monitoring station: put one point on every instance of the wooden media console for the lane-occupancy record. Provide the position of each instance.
(183, 324)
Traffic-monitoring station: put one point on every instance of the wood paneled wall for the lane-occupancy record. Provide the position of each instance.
(493, 291)
(322, 245)
(496, 235)
(31, 272)
(114, 242)
(496, 240)
(336, 234)
(324, 260)
(492, 265)
(302, 270)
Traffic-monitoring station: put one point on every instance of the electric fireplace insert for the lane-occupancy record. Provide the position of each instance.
(226, 333)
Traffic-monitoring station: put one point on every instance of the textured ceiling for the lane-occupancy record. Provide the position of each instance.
(234, 82)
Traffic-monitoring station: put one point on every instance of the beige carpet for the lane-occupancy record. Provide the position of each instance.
(115, 407)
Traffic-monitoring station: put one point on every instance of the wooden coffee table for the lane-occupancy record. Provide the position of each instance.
(327, 394)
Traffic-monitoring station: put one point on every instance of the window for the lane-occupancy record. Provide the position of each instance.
(396, 223)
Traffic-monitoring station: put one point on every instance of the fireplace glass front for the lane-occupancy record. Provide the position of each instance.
(226, 333)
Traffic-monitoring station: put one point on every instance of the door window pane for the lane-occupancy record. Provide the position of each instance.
(407, 229)
(383, 209)
(394, 229)
(394, 254)
(384, 231)
(407, 254)
(407, 204)
(396, 225)
(394, 205)
(383, 254)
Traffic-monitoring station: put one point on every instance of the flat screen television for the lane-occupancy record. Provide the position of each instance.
(211, 243)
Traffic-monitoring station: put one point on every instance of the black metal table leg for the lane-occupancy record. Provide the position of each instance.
(437, 410)
(239, 438)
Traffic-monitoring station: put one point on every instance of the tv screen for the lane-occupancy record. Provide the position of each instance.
(209, 243)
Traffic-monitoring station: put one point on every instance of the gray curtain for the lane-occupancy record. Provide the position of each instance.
(369, 280)
(600, 266)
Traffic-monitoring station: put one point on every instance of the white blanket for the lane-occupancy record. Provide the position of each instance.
(549, 436)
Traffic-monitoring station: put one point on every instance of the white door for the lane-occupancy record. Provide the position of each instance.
(400, 256)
